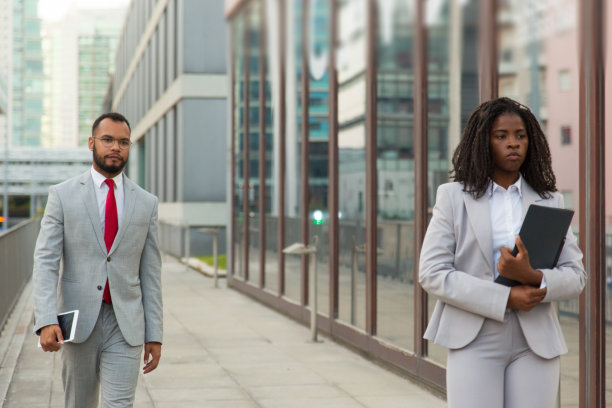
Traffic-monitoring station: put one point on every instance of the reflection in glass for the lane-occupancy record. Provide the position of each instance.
(293, 155)
(238, 106)
(253, 140)
(351, 70)
(395, 164)
(318, 119)
(452, 87)
(538, 66)
(271, 197)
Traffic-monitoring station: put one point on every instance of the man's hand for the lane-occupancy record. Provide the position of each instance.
(152, 350)
(525, 297)
(51, 338)
(518, 267)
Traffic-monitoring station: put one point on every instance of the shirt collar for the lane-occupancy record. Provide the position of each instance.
(99, 179)
(517, 186)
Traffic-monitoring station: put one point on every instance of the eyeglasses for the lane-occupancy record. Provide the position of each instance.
(109, 142)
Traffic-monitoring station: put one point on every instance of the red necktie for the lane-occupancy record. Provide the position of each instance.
(111, 225)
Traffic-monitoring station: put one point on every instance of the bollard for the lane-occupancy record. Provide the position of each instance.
(300, 249)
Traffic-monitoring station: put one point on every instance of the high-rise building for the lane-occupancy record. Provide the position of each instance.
(79, 52)
(27, 81)
(97, 44)
(170, 82)
(5, 62)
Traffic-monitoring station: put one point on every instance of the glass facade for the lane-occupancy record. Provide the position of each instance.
(534, 67)
(351, 71)
(27, 74)
(366, 277)
(395, 172)
(96, 58)
(252, 139)
(238, 91)
(293, 146)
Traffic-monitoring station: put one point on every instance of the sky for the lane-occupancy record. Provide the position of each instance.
(53, 10)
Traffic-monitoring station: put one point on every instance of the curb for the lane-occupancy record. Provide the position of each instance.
(204, 268)
(12, 339)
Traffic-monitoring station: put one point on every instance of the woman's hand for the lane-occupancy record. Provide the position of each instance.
(518, 267)
(524, 297)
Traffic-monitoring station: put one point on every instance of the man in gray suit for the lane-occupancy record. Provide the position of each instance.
(97, 252)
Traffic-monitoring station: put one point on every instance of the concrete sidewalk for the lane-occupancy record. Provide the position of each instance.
(223, 349)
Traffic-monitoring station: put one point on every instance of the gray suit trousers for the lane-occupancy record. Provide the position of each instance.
(499, 370)
(105, 359)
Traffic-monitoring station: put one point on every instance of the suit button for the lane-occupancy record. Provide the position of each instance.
(99, 287)
(108, 259)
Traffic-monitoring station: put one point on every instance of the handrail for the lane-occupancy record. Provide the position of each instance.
(16, 262)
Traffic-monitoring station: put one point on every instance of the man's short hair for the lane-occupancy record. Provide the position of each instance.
(114, 116)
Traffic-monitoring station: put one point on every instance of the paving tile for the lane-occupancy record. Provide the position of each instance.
(284, 392)
(197, 394)
(311, 402)
(224, 350)
(421, 401)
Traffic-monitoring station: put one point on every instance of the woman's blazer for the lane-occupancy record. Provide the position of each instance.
(456, 267)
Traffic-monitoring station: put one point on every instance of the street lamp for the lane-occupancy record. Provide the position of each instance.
(300, 249)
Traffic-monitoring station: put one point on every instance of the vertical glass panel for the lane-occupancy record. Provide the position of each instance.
(272, 130)
(293, 155)
(395, 164)
(318, 117)
(351, 68)
(238, 114)
(608, 201)
(538, 66)
(452, 87)
(253, 138)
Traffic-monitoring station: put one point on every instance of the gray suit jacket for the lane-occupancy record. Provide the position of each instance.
(456, 267)
(71, 232)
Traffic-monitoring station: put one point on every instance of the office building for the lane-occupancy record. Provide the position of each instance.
(27, 80)
(79, 53)
(170, 82)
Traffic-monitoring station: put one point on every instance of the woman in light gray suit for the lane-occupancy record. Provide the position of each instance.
(504, 343)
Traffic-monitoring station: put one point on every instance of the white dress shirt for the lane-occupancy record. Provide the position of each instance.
(506, 209)
(102, 191)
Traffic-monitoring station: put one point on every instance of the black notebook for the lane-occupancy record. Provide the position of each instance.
(543, 234)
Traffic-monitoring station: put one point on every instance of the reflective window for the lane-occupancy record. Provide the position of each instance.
(253, 140)
(293, 150)
(395, 164)
(351, 68)
(452, 84)
(542, 38)
(272, 134)
(32, 28)
(318, 119)
(239, 123)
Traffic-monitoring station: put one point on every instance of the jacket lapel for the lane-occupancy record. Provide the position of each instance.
(128, 210)
(88, 195)
(479, 217)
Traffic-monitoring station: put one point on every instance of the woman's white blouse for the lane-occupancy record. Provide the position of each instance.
(506, 212)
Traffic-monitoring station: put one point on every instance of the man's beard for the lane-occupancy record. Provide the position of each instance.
(109, 168)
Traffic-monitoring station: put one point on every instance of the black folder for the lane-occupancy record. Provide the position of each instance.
(543, 234)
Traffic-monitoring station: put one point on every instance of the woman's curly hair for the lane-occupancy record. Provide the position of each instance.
(473, 159)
